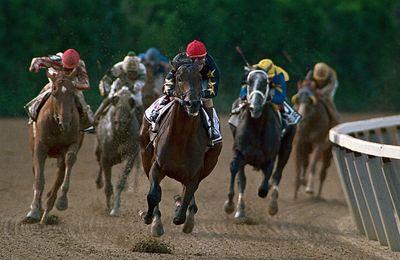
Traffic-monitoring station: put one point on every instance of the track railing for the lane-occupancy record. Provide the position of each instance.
(366, 154)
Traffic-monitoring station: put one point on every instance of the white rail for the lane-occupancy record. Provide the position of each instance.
(365, 154)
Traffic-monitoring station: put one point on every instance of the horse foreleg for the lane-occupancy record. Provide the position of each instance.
(108, 187)
(313, 168)
(267, 172)
(189, 223)
(284, 153)
(121, 185)
(39, 158)
(70, 159)
(326, 162)
(240, 210)
(99, 178)
(154, 195)
(236, 163)
(52, 195)
(157, 228)
(188, 193)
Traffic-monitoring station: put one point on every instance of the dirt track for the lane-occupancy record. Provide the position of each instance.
(305, 228)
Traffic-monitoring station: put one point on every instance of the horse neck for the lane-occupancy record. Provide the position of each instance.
(181, 124)
(311, 119)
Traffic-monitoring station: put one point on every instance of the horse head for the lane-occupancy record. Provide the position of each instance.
(257, 91)
(63, 97)
(188, 91)
(123, 111)
(305, 99)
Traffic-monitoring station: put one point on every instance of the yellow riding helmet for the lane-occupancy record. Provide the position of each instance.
(264, 64)
(130, 64)
(321, 71)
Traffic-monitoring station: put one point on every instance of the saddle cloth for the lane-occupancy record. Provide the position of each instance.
(161, 106)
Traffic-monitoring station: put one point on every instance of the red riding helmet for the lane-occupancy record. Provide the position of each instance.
(70, 59)
(196, 49)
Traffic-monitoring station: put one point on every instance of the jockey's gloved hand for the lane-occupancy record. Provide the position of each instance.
(205, 93)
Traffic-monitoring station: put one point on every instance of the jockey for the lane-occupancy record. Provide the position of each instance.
(130, 73)
(277, 82)
(197, 52)
(326, 82)
(62, 62)
(159, 65)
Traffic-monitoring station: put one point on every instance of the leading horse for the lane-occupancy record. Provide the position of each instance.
(258, 142)
(179, 150)
(55, 134)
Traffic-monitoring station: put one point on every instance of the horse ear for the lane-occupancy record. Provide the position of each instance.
(299, 84)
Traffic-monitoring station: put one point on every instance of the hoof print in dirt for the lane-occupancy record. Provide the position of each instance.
(152, 246)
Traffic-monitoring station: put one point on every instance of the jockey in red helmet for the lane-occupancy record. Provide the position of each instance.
(62, 63)
(196, 51)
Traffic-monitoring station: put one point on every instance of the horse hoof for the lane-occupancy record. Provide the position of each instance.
(99, 184)
(157, 228)
(309, 191)
(229, 207)
(179, 221)
(147, 219)
(240, 214)
(262, 193)
(62, 203)
(189, 224)
(115, 213)
(33, 216)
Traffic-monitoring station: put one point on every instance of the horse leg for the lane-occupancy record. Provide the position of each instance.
(121, 185)
(62, 202)
(99, 178)
(138, 171)
(39, 158)
(157, 228)
(314, 160)
(236, 163)
(240, 213)
(267, 171)
(108, 187)
(52, 195)
(154, 195)
(189, 223)
(188, 193)
(326, 162)
(284, 153)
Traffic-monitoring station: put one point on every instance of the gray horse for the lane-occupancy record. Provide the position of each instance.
(258, 142)
(117, 141)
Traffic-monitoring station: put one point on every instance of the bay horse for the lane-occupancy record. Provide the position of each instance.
(258, 142)
(117, 141)
(312, 142)
(55, 134)
(178, 151)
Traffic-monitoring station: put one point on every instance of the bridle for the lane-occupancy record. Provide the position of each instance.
(264, 96)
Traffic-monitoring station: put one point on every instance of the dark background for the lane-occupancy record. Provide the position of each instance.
(360, 39)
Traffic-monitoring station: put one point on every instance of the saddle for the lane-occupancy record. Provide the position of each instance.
(159, 109)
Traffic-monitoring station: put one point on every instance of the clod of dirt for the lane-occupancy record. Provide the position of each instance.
(51, 220)
(152, 246)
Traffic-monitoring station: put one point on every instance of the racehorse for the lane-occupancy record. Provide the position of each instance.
(179, 150)
(55, 134)
(117, 141)
(312, 137)
(258, 142)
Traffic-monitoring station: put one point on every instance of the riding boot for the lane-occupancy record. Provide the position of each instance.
(213, 132)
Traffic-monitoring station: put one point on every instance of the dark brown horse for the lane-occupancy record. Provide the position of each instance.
(312, 137)
(56, 135)
(179, 151)
(258, 142)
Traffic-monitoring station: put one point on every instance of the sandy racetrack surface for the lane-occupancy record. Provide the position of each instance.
(306, 228)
